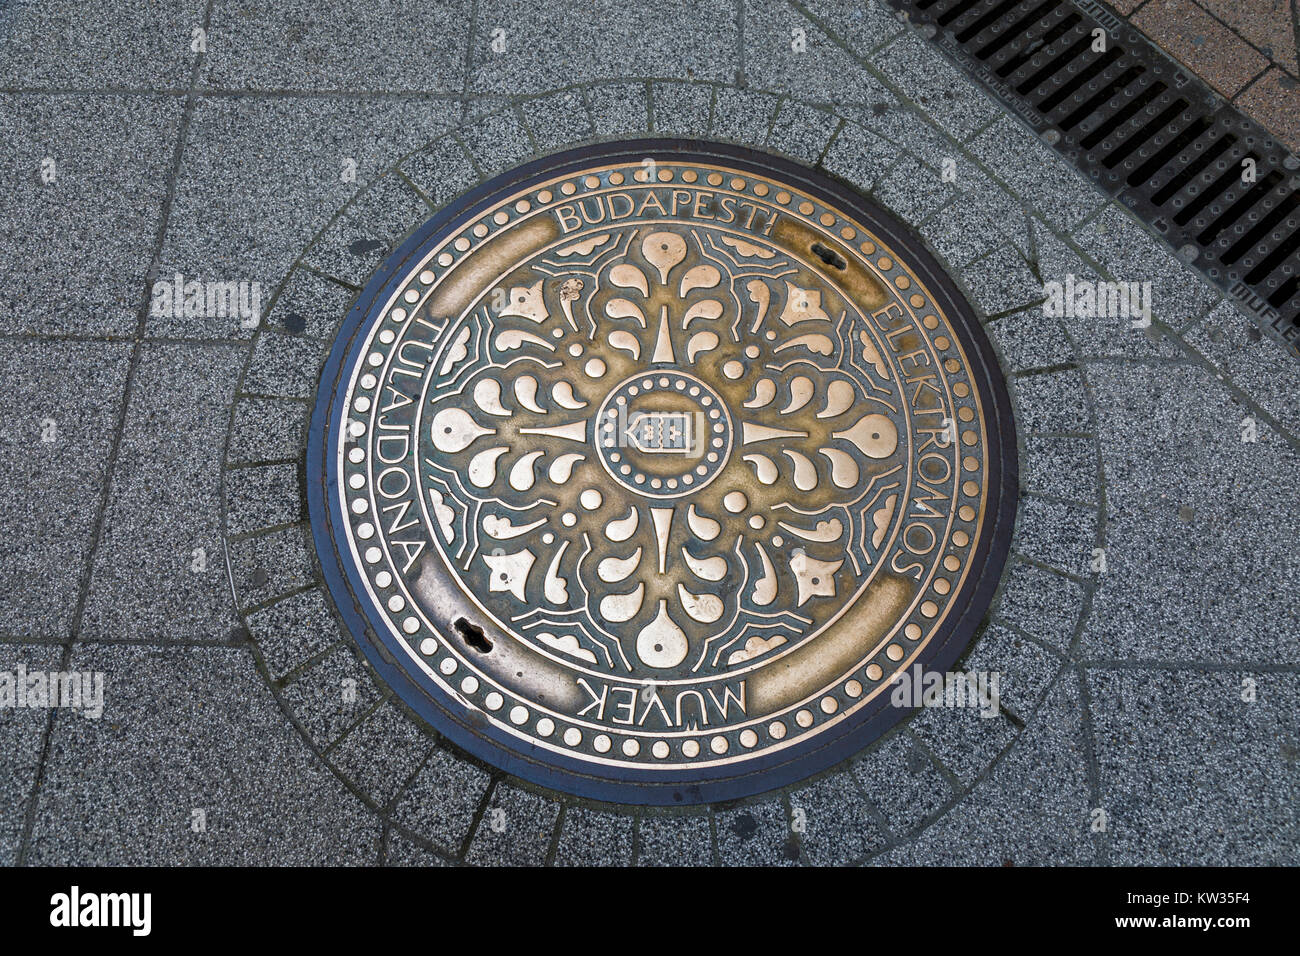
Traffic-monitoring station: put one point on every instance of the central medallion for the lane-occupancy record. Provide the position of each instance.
(647, 472)
(663, 435)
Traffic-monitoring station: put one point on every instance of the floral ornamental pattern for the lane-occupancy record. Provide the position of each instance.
(664, 453)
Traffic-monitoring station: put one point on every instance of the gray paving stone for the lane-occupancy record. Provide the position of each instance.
(263, 496)
(558, 120)
(1024, 670)
(803, 132)
(594, 838)
(674, 840)
(269, 565)
(1002, 281)
(961, 740)
(307, 304)
(63, 45)
(296, 45)
(184, 730)
(1056, 533)
(441, 802)
(260, 176)
(515, 830)
(441, 171)
(909, 129)
(1054, 401)
(552, 45)
(743, 116)
(477, 105)
(935, 85)
(1060, 467)
(1214, 587)
(404, 852)
(354, 245)
(1041, 603)
(1128, 253)
(496, 142)
(974, 225)
(863, 25)
(1035, 173)
(839, 827)
(22, 732)
(619, 109)
(1030, 340)
(1266, 371)
(935, 147)
(331, 696)
(1093, 335)
(892, 858)
(822, 72)
(1190, 774)
(293, 631)
(859, 156)
(382, 752)
(267, 429)
(756, 834)
(285, 365)
(112, 156)
(1032, 809)
(159, 570)
(902, 782)
(682, 109)
(912, 191)
(1056, 260)
(70, 393)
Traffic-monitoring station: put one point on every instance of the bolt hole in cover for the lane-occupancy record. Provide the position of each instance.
(639, 472)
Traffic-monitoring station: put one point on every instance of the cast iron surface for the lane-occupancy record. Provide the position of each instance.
(605, 679)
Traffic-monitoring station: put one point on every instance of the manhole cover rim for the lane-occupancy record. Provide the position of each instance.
(758, 772)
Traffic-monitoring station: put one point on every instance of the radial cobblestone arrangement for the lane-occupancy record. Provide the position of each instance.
(653, 467)
(293, 674)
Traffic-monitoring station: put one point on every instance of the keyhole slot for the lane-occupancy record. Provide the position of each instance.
(829, 256)
(473, 635)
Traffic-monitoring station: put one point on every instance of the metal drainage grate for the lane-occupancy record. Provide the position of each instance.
(1149, 133)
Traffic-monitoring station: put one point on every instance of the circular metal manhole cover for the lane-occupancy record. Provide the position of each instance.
(640, 472)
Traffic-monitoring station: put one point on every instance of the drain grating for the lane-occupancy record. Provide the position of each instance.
(643, 471)
(1217, 186)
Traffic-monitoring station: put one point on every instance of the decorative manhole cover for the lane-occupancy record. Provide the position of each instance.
(641, 472)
